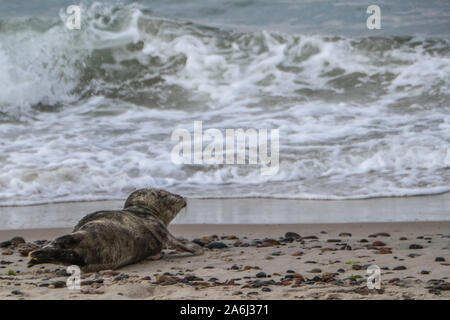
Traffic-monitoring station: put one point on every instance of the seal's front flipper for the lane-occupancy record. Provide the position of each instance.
(157, 256)
(54, 255)
(180, 246)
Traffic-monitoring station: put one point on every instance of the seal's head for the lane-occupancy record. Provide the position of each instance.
(164, 204)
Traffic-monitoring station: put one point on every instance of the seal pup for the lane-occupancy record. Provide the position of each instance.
(112, 239)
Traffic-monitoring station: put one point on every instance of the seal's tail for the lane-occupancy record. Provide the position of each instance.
(58, 252)
(55, 255)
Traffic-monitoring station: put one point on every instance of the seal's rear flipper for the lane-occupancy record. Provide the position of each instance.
(54, 255)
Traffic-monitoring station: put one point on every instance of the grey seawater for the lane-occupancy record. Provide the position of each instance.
(88, 114)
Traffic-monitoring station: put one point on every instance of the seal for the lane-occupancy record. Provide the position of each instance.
(112, 239)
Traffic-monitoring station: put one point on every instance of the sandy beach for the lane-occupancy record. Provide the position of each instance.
(317, 261)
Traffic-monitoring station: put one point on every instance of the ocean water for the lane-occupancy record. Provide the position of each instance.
(88, 114)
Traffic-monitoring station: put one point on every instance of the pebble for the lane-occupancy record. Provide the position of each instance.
(424, 272)
(379, 234)
(315, 270)
(17, 240)
(270, 242)
(345, 234)
(59, 284)
(403, 238)
(266, 289)
(237, 243)
(216, 245)
(378, 244)
(384, 251)
(230, 237)
(311, 238)
(439, 259)
(16, 292)
(261, 275)
(297, 254)
(276, 253)
(399, 268)
(415, 246)
(292, 235)
(5, 244)
(334, 240)
(199, 242)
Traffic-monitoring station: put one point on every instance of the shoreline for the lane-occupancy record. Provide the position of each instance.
(246, 211)
(327, 261)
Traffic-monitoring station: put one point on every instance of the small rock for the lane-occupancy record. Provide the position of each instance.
(26, 248)
(199, 242)
(44, 285)
(399, 268)
(439, 259)
(315, 270)
(403, 238)
(384, 251)
(276, 253)
(356, 267)
(380, 234)
(297, 254)
(415, 246)
(334, 240)
(16, 292)
(292, 235)
(378, 244)
(270, 242)
(261, 275)
(310, 238)
(237, 243)
(290, 271)
(231, 237)
(17, 240)
(216, 245)
(59, 284)
(424, 272)
(266, 289)
(345, 234)
(5, 244)
(363, 241)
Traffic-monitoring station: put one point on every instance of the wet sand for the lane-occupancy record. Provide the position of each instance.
(246, 211)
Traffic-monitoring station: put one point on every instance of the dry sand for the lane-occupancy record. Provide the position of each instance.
(340, 266)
